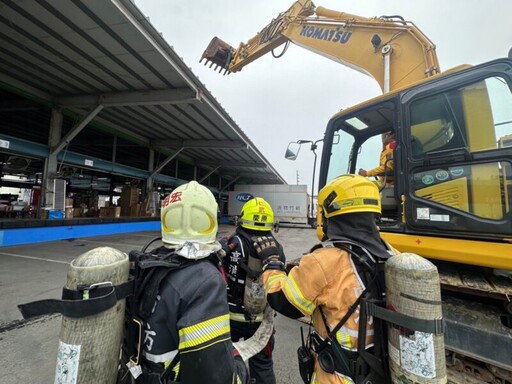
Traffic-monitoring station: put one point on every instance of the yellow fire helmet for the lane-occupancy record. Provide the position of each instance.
(257, 214)
(189, 214)
(346, 194)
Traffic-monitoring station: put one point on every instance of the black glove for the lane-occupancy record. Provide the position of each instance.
(226, 247)
(268, 253)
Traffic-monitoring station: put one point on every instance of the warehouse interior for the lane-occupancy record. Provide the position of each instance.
(100, 118)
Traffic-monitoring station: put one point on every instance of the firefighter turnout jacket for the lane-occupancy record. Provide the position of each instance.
(326, 277)
(236, 265)
(188, 330)
(385, 156)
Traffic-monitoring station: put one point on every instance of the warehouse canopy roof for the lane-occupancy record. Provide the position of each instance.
(115, 78)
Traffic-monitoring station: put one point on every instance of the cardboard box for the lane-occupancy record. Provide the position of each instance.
(110, 211)
(134, 209)
(69, 213)
(129, 195)
(77, 212)
(69, 202)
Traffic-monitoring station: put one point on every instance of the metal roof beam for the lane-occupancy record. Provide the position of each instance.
(10, 82)
(76, 130)
(230, 182)
(230, 164)
(207, 175)
(268, 179)
(19, 105)
(165, 162)
(218, 144)
(124, 99)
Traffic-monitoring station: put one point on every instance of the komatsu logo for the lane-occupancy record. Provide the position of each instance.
(328, 34)
(244, 197)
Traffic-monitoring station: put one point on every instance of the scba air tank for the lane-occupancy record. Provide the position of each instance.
(254, 291)
(89, 346)
(413, 289)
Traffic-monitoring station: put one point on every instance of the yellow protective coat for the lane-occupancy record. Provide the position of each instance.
(324, 277)
(387, 153)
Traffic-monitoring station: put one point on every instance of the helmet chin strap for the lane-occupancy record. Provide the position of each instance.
(324, 228)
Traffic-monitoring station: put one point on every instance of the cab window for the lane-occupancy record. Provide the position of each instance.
(466, 120)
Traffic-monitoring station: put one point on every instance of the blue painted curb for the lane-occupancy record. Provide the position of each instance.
(17, 236)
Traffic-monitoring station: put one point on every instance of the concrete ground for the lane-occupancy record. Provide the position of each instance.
(32, 272)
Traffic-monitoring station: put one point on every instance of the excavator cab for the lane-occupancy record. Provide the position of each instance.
(453, 156)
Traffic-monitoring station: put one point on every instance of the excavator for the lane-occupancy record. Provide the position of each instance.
(451, 198)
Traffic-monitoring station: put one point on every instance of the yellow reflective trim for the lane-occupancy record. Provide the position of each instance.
(240, 317)
(343, 337)
(205, 346)
(211, 228)
(203, 332)
(293, 293)
(164, 226)
(272, 279)
(176, 370)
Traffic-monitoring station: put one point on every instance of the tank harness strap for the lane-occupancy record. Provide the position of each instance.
(82, 302)
(250, 239)
(435, 326)
(332, 334)
(250, 272)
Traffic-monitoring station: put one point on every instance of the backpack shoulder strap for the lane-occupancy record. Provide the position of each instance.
(149, 271)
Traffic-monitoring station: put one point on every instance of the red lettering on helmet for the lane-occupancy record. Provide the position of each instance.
(176, 196)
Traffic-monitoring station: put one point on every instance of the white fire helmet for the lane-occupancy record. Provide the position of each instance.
(189, 215)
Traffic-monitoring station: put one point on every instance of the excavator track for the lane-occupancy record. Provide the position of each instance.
(463, 370)
(475, 283)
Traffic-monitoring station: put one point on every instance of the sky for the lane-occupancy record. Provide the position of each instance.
(277, 101)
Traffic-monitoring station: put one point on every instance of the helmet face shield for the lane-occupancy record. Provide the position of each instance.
(189, 214)
(257, 215)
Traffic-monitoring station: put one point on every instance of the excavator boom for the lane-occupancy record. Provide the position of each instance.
(392, 51)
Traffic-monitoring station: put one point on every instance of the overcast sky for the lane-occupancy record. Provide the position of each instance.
(275, 101)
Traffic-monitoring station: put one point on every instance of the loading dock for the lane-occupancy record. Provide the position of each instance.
(94, 102)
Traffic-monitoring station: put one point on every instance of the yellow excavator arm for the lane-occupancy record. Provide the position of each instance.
(391, 50)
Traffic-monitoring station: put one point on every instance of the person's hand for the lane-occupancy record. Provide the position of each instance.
(268, 253)
(226, 247)
(363, 172)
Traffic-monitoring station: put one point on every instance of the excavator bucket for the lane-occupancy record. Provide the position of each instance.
(219, 53)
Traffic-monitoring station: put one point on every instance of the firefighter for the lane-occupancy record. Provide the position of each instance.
(187, 337)
(326, 283)
(385, 168)
(246, 303)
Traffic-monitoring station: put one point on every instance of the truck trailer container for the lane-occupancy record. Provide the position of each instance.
(290, 203)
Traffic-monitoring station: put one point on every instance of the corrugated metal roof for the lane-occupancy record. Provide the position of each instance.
(82, 55)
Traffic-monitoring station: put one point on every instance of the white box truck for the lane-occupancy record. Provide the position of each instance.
(290, 203)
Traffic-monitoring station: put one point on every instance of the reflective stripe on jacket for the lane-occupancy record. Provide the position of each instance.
(324, 277)
(190, 319)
